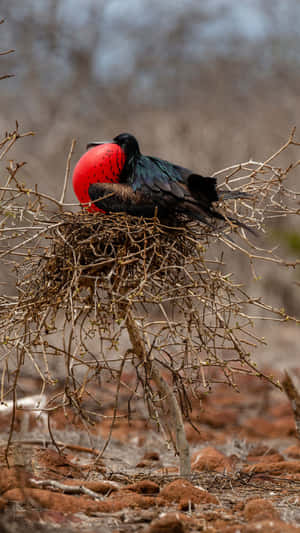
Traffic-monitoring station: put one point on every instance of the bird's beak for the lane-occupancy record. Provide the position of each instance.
(97, 143)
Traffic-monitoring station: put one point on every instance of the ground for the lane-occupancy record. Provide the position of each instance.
(245, 461)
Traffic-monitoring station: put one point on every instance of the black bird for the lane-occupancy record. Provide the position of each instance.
(125, 180)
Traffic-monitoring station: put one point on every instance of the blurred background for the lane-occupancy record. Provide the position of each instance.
(203, 83)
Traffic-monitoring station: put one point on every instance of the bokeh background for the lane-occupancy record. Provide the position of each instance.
(203, 83)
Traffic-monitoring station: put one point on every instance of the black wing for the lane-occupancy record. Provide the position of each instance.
(175, 188)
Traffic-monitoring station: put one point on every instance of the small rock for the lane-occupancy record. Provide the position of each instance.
(143, 487)
(181, 489)
(210, 459)
(260, 509)
(170, 523)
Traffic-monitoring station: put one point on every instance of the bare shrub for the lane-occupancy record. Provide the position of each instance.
(84, 281)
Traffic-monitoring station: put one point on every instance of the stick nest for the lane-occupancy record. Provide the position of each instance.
(125, 257)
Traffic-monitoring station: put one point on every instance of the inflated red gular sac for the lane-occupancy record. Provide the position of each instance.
(116, 177)
(100, 164)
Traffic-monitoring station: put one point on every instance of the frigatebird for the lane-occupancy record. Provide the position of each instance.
(116, 177)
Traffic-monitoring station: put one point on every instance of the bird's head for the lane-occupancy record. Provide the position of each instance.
(126, 141)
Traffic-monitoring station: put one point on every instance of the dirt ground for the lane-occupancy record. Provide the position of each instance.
(245, 463)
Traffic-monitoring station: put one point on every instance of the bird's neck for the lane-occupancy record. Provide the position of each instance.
(129, 167)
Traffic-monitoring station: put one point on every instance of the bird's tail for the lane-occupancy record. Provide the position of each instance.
(209, 214)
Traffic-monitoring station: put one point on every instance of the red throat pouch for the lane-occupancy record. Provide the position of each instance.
(102, 164)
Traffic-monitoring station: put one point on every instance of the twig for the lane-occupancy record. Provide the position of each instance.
(5, 76)
(70, 489)
(67, 173)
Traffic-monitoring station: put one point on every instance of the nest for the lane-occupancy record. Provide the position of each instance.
(118, 254)
(106, 264)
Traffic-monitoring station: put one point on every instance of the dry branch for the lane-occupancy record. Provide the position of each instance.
(166, 391)
(67, 489)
